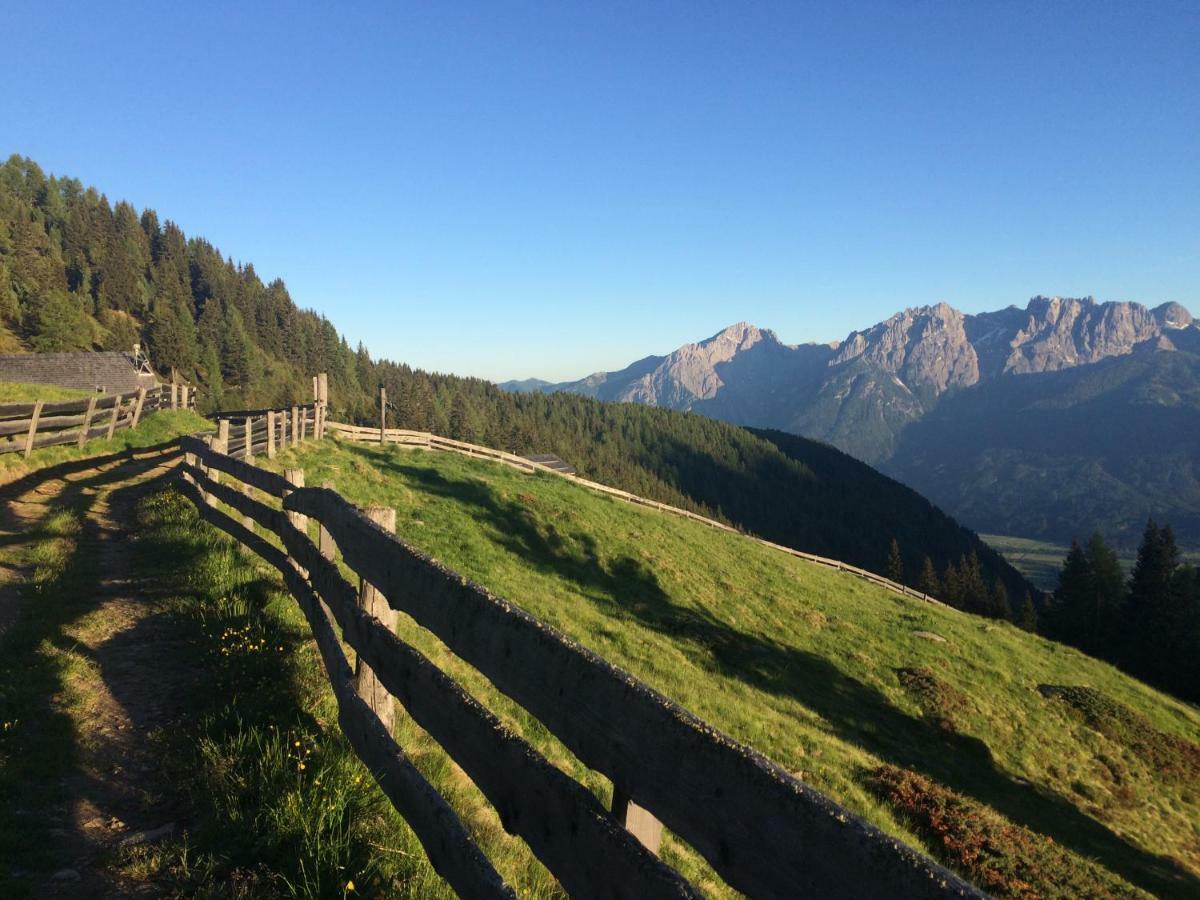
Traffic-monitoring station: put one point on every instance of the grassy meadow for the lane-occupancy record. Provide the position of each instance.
(16, 392)
(1027, 766)
(837, 680)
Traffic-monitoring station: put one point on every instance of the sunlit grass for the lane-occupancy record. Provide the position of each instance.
(16, 392)
(798, 661)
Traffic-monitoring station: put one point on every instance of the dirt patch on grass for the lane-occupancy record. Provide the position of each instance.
(1004, 859)
(1174, 758)
(942, 704)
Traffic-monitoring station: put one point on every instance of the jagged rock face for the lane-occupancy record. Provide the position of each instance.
(862, 393)
(925, 347)
(690, 373)
(1061, 332)
(1010, 418)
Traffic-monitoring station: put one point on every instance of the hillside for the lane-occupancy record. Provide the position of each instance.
(905, 395)
(1055, 454)
(837, 680)
(79, 273)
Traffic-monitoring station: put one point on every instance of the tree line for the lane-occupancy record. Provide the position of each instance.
(1148, 624)
(80, 273)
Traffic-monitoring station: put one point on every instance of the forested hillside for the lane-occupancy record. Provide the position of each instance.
(77, 272)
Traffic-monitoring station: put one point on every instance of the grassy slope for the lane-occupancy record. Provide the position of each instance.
(152, 430)
(797, 661)
(15, 392)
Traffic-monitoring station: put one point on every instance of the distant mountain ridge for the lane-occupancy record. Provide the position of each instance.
(867, 393)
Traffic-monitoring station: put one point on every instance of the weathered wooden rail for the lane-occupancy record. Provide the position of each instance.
(247, 433)
(24, 427)
(764, 832)
(427, 441)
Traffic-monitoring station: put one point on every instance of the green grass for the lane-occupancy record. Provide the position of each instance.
(800, 662)
(154, 429)
(15, 392)
(280, 804)
(39, 685)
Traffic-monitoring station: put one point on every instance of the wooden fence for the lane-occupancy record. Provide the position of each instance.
(764, 832)
(24, 427)
(427, 441)
(248, 433)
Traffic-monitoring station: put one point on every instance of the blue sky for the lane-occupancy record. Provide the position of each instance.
(509, 190)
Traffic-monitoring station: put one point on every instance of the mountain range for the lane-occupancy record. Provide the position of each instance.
(1048, 422)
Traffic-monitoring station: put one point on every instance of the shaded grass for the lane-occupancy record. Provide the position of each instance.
(282, 807)
(154, 429)
(39, 685)
(797, 661)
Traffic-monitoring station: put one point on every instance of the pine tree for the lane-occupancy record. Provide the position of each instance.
(973, 591)
(952, 586)
(1156, 613)
(1106, 596)
(928, 582)
(895, 563)
(997, 602)
(57, 323)
(1027, 617)
(1066, 618)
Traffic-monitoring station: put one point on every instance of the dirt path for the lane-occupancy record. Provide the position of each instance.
(122, 681)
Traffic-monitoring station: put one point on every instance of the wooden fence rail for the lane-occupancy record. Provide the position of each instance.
(766, 833)
(248, 433)
(25, 427)
(427, 441)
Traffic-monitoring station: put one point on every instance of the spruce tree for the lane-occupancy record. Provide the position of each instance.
(973, 589)
(1027, 617)
(895, 563)
(1155, 613)
(1067, 616)
(997, 602)
(58, 323)
(1106, 593)
(928, 582)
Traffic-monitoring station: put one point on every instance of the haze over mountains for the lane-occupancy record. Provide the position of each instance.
(1046, 421)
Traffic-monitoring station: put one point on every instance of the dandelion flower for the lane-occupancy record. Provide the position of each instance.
(349, 886)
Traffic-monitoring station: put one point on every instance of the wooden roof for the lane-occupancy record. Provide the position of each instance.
(110, 372)
(550, 461)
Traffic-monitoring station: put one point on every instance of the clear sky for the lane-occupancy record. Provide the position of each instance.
(510, 189)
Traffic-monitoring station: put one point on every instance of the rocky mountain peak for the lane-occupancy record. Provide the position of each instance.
(1172, 315)
(742, 335)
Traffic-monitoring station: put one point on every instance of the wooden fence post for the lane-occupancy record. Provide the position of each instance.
(323, 399)
(116, 414)
(174, 395)
(325, 542)
(295, 426)
(270, 434)
(248, 521)
(87, 420)
(33, 423)
(637, 821)
(373, 603)
(303, 422)
(295, 477)
(223, 435)
(137, 410)
(212, 474)
(249, 439)
(382, 414)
